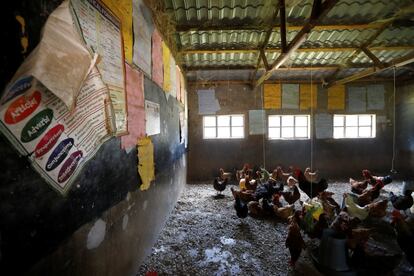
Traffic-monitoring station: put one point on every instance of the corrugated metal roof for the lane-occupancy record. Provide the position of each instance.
(218, 12)
(221, 59)
(238, 28)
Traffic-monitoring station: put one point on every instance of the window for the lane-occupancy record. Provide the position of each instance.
(289, 127)
(354, 126)
(223, 126)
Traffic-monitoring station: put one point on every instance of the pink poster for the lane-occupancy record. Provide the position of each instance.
(136, 110)
(157, 64)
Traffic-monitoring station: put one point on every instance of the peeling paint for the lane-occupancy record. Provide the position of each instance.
(125, 222)
(96, 235)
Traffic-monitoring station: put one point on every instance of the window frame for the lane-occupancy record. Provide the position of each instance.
(294, 126)
(358, 126)
(230, 126)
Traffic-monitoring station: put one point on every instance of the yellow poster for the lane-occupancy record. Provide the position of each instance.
(336, 97)
(123, 10)
(308, 95)
(145, 162)
(166, 61)
(272, 96)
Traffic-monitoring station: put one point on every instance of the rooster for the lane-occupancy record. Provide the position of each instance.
(405, 236)
(291, 194)
(294, 241)
(220, 185)
(310, 188)
(402, 202)
(241, 207)
(225, 175)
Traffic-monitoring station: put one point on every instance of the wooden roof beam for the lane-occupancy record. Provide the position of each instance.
(272, 50)
(370, 71)
(250, 27)
(319, 10)
(373, 57)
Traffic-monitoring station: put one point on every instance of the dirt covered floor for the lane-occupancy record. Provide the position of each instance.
(203, 236)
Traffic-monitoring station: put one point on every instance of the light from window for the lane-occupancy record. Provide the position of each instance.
(223, 127)
(288, 127)
(354, 126)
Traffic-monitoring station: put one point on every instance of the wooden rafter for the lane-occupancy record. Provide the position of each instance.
(248, 27)
(370, 71)
(373, 57)
(319, 10)
(272, 50)
(282, 26)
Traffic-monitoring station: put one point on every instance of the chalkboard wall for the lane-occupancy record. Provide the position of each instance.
(34, 219)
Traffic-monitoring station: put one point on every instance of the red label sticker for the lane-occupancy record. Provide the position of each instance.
(49, 140)
(22, 107)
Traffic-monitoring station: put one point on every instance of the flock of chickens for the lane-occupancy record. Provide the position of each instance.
(262, 193)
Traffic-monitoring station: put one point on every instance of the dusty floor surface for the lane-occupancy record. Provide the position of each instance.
(203, 236)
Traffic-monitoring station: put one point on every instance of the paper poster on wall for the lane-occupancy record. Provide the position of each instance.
(57, 141)
(183, 90)
(336, 97)
(136, 107)
(166, 55)
(146, 162)
(207, 102)
(173, 77)
(143, 28)
(375, 97)
(290, 96)
(272, 96)
(178, 81)
(152, 118)
(308, 96)
(157, 64)
(257, 122)
(63, 77)
(323, 126)
(123, 10)
(357, 99)
(101, 30)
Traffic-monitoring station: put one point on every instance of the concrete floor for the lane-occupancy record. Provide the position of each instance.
(203, 236)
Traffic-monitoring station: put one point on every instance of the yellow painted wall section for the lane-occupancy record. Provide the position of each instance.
(336, 97)
(308, 96)
(166, 56)
(146, 162)
(272, 96)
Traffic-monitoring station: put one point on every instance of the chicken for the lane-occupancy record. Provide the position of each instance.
(358, 237)
(330, 206)
(370, 194)
(378, 209)
(402, 202)
(246, 195)
(294, 241)
(291, 196)
(219, 185)
(243, 172)
(405, 236)
(265, 175)
(310, 188)
(283, 212)
(353, 209)
(319, 226)
(255, 210)
(225, 175)
(358, 187)
(343, 224)
(241, 207)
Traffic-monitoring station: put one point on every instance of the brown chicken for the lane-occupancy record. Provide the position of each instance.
(284, 212)
(343, 224)
(224, 175)
(370, 194)
(294, 241)
(358, 237)
(291, 196)
(358, 187)
(330, 206)
(378, 209)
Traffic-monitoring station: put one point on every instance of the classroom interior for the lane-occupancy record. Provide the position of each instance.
(173, 137)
